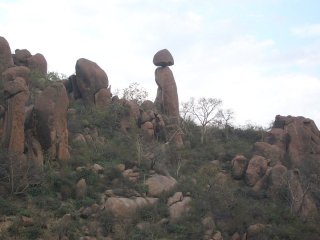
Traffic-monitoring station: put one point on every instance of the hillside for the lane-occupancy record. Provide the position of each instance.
(77, 162)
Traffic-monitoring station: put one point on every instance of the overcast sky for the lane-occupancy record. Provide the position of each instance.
(261, 57)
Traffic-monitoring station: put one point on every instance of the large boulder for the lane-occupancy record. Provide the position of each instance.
(178, 205)
(256, 169)
(20, 57)
(6, 60)
(277, 178)
(38, 64)
(160, 183)
(51, 115)
(302, 138)
(239, 165)
(90, 78)
(126, 207)
(103, 97)
(17, 94)
(18, 71)
(271, 152)
(163, 58)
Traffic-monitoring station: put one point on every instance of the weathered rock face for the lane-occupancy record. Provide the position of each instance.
(163, 58)
(271, 152)
(277, 178)
(90, 78)
(16, 93)
(34, 154)
(51, 113)
(6, 60)
(159, 183)
(257, 167)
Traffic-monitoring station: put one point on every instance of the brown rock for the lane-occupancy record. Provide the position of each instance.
(34, 154)
(257, 167)
(20, 58)
(147, 130)
(163, 58)
(159, 183)
(147, 105)
(27, 221)
(90, 78)
(217, 236)
(239, 165)
(125, 207)
(271, 152)
(302, 203)
(6, 60)
(120, 167)
(79, 138)
(277, 178)
(38, 64)
(51, 114)
(81, 188)
(167, 102)
(13, 135)
(12, 73)
(103, 97)
(236, 236)
(177, 197)
(179, 208)
(97, 168)
(254, 230)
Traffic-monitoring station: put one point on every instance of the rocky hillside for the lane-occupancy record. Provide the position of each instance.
(77, 162)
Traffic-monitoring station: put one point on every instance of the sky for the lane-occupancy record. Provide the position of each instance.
(260, 57)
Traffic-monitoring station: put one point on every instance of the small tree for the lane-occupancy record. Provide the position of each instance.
(205, 111)
(225, 118)
(135, 93)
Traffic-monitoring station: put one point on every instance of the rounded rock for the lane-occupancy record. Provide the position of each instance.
(163, 58)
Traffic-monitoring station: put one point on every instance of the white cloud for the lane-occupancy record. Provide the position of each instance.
(309, 30)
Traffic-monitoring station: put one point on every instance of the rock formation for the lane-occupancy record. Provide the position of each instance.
(36, 63)
(167, 101)
(51, 114)
(6, 60)
(90, 79)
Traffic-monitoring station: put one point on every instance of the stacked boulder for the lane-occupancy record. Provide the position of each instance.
(167, 101)
(90, 83)
(290, 145)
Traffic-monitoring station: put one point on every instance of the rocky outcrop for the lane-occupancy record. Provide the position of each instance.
(51, 114)
(36, 63)
(167, 101)
(90, 79)
(6, 60)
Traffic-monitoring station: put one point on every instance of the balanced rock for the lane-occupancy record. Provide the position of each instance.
(6, 60)
(51, 114)
(18, 71)
(163, 58)
(90, 78)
